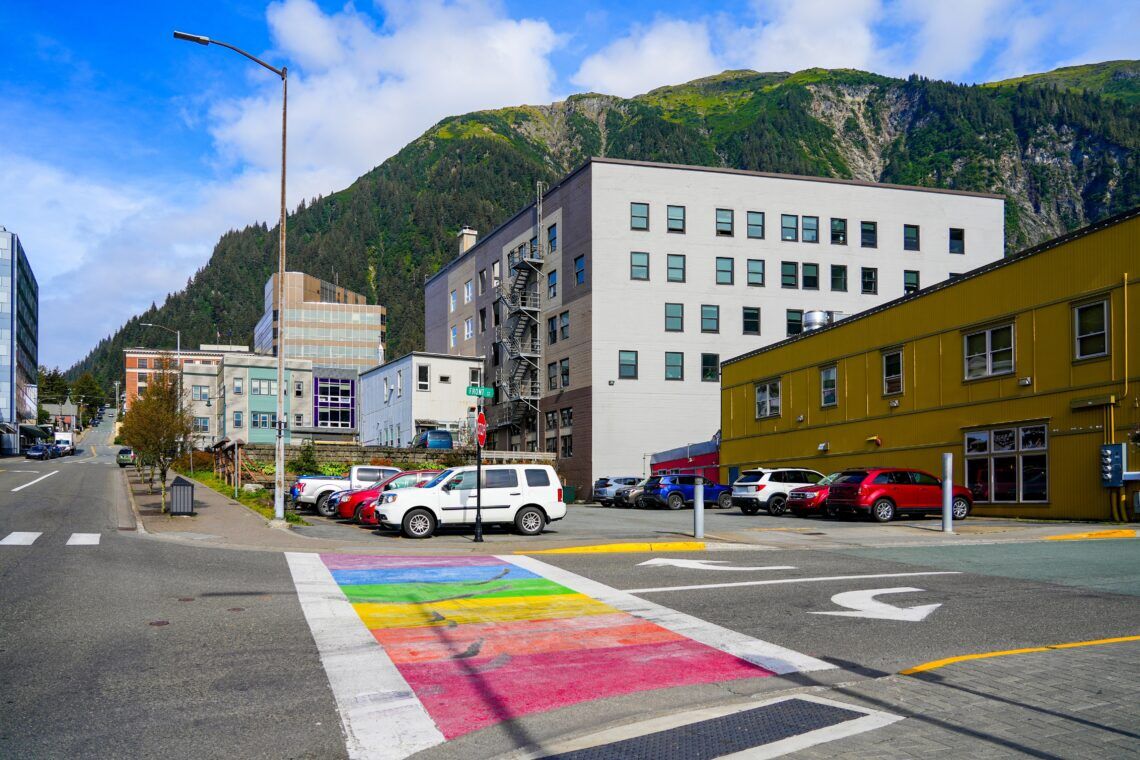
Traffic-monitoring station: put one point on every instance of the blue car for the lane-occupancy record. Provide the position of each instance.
(434, 439)
(39, 451)
(677, 491)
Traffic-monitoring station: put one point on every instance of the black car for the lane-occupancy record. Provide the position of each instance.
(40, 451)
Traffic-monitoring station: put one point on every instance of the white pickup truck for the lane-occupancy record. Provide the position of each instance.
(313, 491)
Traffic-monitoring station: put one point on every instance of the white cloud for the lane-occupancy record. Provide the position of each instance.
(791, 35)
(668, 51)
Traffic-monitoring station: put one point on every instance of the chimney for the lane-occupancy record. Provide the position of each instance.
(467, 238)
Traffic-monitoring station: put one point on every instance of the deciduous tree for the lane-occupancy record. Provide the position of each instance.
(158, 423)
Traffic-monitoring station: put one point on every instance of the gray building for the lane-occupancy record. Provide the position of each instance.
(19, 344)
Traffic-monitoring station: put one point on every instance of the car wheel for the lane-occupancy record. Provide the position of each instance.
(883, 511)
(121, 466)
(530, 521)
(676, 501)
(322, 506)
(960, 508)
(749, 510)
(724, 501)
(419, 523)
(777, 505)
(798, 512)
(829, 511)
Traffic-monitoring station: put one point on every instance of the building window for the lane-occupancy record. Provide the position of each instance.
(263, 387)
(482, 281)
(200, 392)
(454, 338)
(552, 284)
(957, 240)
(675, 267)
(892, 373)
(638, 266)
(910, 237)
(201, 424)
(724, 273)
(482, 321)
(564, 325)
(580, 270)
(674, 317)
(399, 383)
(468, 291)
(1091, 329)
(839, 232)
(710, 368)
(910, 281)
(564, 370)
(756, 272)
(237, 419)
(676, 218)
(639, 216)
(299, 420)
(1008, 464)
(768, 399)
(299, 389)
(789, 227)
(423, 377)
(238, 386)
(452, 300)
(827, 392)
(551, 420)
(143, 363)
(869, 234)
(475, 376)
(552, 376)
(751, 320)
(839, 277)
(789, 274)
(811, 276)
(710, 319)
(756, 225)
(724, 222)
(870, 280)
(552, 238)
(552, 444)
(567, 415)
(810, 226)
(445, 379)
(674, 365)
(552, 330)
(795, 321)
(627, 365)
(468, 328)
(989, 352)
(495, 274)
(567, 446)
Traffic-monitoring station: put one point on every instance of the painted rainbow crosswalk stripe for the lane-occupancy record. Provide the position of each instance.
(481, 640)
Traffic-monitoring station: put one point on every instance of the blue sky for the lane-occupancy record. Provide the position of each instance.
(126, 153)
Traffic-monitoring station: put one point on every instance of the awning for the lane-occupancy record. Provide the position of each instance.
(32, 431)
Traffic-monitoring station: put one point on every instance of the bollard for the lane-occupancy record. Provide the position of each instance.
(699, 508)
(947, 493)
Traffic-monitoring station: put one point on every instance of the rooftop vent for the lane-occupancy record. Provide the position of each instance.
(467, 237)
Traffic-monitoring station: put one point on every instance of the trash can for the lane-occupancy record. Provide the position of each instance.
(569, 494)
(181, 497)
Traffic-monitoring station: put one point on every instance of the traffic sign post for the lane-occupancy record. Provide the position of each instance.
(480, 439)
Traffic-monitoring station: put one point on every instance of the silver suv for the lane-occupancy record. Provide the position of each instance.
(768, 489)
(606, 488)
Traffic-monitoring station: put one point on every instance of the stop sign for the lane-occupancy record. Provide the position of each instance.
(481, 429)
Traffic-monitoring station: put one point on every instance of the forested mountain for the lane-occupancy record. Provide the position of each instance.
(1063, 148)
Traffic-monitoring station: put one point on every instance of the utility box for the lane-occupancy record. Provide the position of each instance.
(1112, 465)
(181, 497)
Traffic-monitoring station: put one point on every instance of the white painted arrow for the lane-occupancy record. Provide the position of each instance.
(706, 564)
(863, 604)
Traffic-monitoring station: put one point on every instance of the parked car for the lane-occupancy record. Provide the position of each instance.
(348, 503)
(807, 500)
(606, 488)
(628, 496)
(434, 439)
(313, 491)
(125, 457)
(527, 496)
(885, 492)
(38, 451)
(366, 512)
(768, 489)
(676, 491)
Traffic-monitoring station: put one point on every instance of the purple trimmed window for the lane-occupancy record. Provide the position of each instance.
(334, 403)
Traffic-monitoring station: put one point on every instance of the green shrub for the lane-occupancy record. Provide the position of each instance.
(305, 462)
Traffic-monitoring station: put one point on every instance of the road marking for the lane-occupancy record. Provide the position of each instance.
(785, 580)
(863, 604)
(20, 539)
(706, 564)
(665, 546)
(1093, 534)
(935, 664)
(770, 656)
(381, 715)
(37, 480)
(83, 539)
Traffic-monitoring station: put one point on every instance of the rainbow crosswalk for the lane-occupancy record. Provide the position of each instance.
(482, 639)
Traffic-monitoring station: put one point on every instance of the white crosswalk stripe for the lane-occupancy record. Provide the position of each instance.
(20, 539)
(83, 539)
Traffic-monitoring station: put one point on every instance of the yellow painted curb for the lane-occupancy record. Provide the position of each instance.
(1094, 534)
(985, 655)
(667, 546)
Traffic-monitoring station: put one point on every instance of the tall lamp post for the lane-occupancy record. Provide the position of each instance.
(279, 460)
(177, 364)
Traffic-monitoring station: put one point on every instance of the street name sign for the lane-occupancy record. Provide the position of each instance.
(481, 391)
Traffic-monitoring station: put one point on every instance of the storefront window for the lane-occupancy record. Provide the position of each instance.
(1008, 465)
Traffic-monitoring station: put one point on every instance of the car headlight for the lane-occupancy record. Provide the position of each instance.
(389, 498)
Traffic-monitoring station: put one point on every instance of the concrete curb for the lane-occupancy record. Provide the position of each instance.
(133, 520)
(639, 546)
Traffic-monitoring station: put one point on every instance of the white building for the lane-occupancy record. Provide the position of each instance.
(417, 392)
(604, 322)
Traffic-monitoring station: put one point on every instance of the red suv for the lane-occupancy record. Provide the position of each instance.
(349, 506)
(883, 492)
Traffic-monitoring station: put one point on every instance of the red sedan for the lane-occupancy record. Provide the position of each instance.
(366, 514)
(885, 492)
(350, 505)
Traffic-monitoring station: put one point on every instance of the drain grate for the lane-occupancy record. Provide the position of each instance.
(714, 738)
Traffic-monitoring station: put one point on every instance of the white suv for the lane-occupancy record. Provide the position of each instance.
(768, 489)
(529, 496)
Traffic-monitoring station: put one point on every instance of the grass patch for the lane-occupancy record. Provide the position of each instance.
(260, 502)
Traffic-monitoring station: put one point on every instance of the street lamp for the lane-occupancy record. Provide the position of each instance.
(178, 366)
(279, 460)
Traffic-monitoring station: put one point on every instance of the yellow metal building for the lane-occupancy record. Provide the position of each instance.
(1021, 369)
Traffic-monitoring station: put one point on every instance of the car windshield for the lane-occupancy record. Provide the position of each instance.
(653, 481)
(853, 477)
(438, 479)
(829, 479)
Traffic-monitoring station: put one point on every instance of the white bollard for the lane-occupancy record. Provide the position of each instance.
(947, 493)
(699, 508)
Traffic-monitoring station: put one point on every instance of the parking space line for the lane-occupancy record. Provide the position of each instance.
(778, 581)
(770, 656)
(37, 480)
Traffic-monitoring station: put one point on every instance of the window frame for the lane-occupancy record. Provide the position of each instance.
(1103, 303)
(633, 267)
(836, 269)
(917, 245)
(679, 366)
(564, 372)
(842, 231)
(767, 385)
(721, 229)
(804, 275)
(580, 270)
(900, 377)
(794, 227)
(872, 228)
(552, 284)
(961, 241)
(763, 274)
(804, 229)
(907, 288)
(978, 448)
(989, 351)
(833, 369)
(795, 274)
(680, 317)
(623, 354)
(633, 216)
(715, 317)
(744, 318)
(551, 330)
(863, 272)
(731, 271)
(670, 268)
(670, 219)
(715, 377)
(749, 217)
(788, 322)
(564, 325)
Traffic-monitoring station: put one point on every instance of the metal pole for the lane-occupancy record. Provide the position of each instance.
(699, 508)
(947, 493)
(279, 459)
(478, 480)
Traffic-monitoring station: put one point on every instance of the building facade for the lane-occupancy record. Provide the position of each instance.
(324, 323)
(605, 308)
(417, 392)
(19, 344)
(140, 364)
(1021, 369)
(246, 398)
